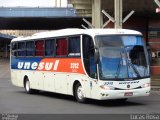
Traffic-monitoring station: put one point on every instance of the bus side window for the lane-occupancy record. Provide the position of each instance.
(61, 47)
(49, 47)
(14, 49)
(21, 49)
(30, 48)
(39, 48)
(74, 46)
(88, 56)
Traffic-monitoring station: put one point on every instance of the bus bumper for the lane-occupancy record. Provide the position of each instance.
(118, 94)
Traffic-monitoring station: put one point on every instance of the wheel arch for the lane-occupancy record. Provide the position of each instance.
(74, 85)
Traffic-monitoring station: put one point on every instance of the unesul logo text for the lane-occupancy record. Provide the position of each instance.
(41, 66)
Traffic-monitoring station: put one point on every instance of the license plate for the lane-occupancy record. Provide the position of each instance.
(128, 94)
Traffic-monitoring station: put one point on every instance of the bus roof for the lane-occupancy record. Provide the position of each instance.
(76, 31)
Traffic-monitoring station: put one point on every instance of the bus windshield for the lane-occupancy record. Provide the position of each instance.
(122, 57)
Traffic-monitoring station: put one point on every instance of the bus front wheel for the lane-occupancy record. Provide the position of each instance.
(79, 93)
(27, 86)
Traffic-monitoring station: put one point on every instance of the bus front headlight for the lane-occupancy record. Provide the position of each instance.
(146, 85)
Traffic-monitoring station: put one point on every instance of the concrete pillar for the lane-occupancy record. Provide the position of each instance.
(118, 13)
(96, 13)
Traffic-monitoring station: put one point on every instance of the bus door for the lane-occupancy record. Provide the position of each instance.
(90, 66)
(93, 81)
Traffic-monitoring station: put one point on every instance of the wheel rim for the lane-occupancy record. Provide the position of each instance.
(80, 94)
(27, 86)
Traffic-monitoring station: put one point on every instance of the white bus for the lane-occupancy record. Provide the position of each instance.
(93, 63)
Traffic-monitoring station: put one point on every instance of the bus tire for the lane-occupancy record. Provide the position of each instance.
(79, 93)
(27, 86)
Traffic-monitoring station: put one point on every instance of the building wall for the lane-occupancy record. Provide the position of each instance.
(154, 43)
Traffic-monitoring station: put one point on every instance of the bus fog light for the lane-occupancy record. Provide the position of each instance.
(106, 94)
(102, 94)
(104, 87)
(146, 85)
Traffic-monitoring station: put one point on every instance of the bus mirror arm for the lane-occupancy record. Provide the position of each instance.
(96, 56)
(95, 47)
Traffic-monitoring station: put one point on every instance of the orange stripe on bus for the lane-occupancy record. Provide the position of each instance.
(71, 65)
